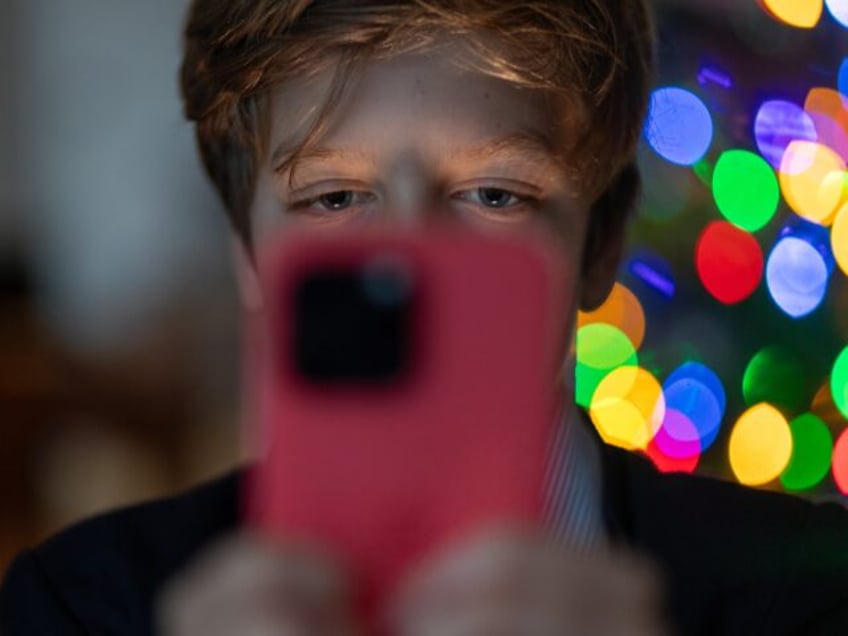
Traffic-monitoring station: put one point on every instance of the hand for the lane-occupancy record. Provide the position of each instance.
(243, 586)
(513, 583)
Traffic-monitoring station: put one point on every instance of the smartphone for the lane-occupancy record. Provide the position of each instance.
(404, 391)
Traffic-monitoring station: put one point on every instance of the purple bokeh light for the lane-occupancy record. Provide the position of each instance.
(777, 124)
(678, 437)
(712, 75)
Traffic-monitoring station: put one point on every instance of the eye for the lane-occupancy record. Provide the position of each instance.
(333, 201)
(496, 197)
(336, 200)
(498, 200)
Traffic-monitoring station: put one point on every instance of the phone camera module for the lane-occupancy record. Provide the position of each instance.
(352, 326)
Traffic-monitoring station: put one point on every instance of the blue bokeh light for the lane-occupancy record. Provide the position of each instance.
(654, 271)
(797, 275)
(679, 127)
(696, 391)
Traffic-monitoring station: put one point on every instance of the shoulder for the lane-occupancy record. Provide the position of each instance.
(104, 573)
(713, 509)
(760, 557)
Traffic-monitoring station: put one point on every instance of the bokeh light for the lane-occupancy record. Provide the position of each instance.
(729, 262)
(812, 447)
(752, 142)
(840, 462)
(839, 238)
(711, 74)
(839, 382)
(796, 276)
(628, 407)
(777, 124)
(824, 408)
(696, 392)
(679, 127)
(760, 445)
(621, 309)
(828, 109)
(703, 374)
(839, 10)
(668, 464)
(655, 272)
(677, 437)
(745, 189)
(803, 14)
(776, 375)
(812, 180)
(600, 349)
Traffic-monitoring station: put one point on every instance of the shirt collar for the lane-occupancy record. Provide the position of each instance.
(574, 483)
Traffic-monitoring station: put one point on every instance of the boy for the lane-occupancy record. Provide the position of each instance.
(503, 117)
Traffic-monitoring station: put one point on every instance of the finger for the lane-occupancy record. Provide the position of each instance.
(243, 577)
(518, 583)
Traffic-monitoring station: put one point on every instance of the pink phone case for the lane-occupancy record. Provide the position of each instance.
(381, 477)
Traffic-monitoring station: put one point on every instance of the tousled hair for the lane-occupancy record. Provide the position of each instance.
(595, 55)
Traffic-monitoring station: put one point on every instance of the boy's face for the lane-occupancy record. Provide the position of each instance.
(417, 137)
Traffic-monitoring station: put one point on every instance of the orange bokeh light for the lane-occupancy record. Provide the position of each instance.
(828, 109)
(621, 309)
(803, 14)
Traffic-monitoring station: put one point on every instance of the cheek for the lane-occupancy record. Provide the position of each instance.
(564, 224)
(564, 228)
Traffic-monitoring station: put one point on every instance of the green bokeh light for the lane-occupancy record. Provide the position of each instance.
(777, 376)
(745, 189)
(703, 169)
(600, 349)
(811, 452)
(839, 382)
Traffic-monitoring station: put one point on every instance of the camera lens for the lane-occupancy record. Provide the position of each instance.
(387, 281)
(352, 326)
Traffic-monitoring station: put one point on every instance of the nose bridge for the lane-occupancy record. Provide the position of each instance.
(411, 188)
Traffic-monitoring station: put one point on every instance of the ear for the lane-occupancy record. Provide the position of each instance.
(247, 278)
(606, 236)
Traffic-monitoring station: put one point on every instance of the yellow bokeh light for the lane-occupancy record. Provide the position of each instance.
(621, 309)
(760, 445)
(804, 14)
(628, 408)
(813, 180)
(839, 238)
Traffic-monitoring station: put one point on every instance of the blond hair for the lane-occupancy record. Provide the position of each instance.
(593, 54)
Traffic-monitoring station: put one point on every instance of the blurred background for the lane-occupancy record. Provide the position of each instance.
(118, 321)
(724, 350)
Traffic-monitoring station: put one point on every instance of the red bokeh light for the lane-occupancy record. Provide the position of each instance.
(729, 262)
(840, 462)
(666, 464)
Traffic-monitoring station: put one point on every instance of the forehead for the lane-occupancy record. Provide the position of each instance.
(429, 103)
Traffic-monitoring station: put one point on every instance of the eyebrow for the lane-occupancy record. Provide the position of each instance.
(528, 145)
